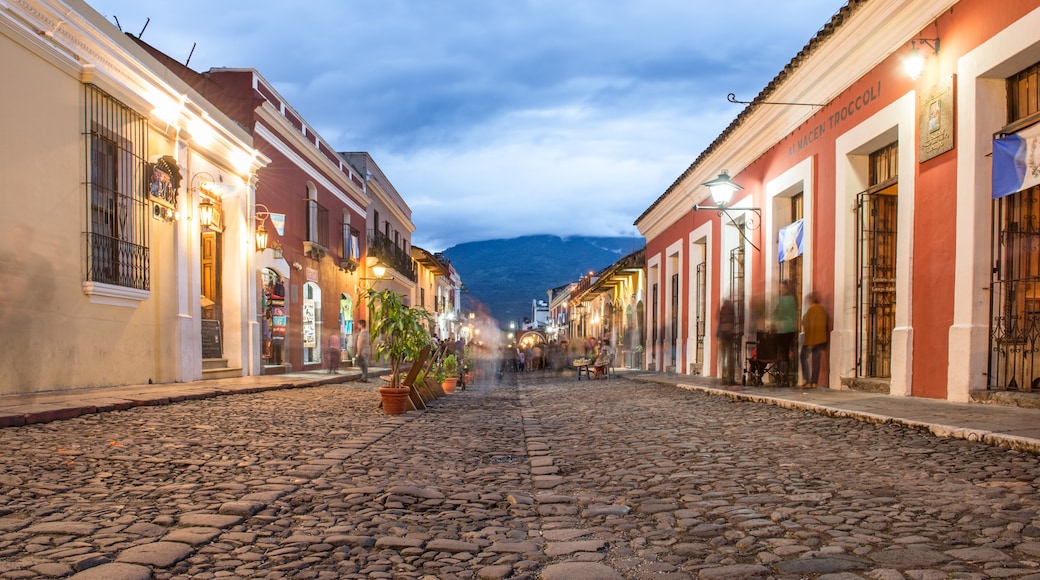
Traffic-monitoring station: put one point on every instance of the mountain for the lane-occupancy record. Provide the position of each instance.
(505, 276)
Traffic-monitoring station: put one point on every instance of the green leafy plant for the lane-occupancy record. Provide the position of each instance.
(450, 366)
(402, 331)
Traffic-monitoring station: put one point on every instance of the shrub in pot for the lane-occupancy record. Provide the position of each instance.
(450, 368)
(402, 332)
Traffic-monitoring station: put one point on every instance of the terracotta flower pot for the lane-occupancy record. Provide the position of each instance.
(449, 384)
(395, 400)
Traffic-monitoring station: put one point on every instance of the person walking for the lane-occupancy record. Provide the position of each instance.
(814, 328)
(333, 353)
(363, 349)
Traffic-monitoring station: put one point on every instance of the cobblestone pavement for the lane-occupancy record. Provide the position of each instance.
(541, 477)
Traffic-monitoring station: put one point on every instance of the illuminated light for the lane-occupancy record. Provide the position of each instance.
(206, 212)
(201, 132)
(914, 63)
(722, 189)
(261, 238)
(242, 161)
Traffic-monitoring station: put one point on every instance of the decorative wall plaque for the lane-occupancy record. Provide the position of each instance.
(935, 120)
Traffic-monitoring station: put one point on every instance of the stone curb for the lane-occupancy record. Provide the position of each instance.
(939, 430)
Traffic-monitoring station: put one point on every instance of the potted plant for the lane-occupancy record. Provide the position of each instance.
(450, 368)
(403, 333)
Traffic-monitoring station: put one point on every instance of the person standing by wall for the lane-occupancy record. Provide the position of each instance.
(332, 352)
(814, 329)
(785, 323)
(363, 348)
(727, 335)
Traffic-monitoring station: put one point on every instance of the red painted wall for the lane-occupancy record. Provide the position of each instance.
(961, 29)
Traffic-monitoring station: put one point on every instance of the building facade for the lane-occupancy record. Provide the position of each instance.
(107, 167)
(312, 207)
(874, 187)
(611, 306)
(438, 291)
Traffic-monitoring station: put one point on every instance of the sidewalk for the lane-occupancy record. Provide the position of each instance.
(1000, 425)
(1004, 426)
(27, 409)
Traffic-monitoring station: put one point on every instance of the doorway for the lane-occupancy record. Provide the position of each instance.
(212, 311)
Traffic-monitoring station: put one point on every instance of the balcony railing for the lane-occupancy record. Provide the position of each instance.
(387, 252)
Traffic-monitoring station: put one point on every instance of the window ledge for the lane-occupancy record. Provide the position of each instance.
(112, 295)
(314, 250)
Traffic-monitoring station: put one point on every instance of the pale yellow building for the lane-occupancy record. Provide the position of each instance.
(106, 163)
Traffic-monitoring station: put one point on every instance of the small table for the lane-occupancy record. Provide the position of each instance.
(582, 366)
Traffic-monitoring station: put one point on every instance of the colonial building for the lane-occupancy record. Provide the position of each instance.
(880, 188)
(438, 291)
(311, 205)
(389, 228)
(107, 171)
(611, 305)
(558, 326)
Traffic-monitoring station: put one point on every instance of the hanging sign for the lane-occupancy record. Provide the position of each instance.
(1016, 162)
(278, 219)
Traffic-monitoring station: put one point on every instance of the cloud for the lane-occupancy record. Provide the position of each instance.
(495, 119)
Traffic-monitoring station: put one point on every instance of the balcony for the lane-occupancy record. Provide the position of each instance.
(393, 257)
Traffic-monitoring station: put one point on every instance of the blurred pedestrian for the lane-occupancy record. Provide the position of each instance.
(727, 335)
(814, 342)
(363, 349)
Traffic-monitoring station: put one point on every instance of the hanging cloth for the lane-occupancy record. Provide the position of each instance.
(1016, 161)
(789, 242)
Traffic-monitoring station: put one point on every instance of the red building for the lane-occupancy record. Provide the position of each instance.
(312, 205)
(872, 186)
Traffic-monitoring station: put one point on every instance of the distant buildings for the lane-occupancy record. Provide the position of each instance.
(606, 304)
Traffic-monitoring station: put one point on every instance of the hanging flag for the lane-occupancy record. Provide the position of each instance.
(278, 219)
(1016, 162)
(789, 243)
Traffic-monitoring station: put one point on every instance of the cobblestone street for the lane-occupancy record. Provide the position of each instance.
(538, 477)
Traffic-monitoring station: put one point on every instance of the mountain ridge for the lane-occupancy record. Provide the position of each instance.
(504, 276)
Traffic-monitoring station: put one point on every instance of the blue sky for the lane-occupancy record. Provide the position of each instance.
(501, 118)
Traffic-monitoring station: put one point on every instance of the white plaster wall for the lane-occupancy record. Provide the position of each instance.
(701, 238)
(894, 122)
(981, 112)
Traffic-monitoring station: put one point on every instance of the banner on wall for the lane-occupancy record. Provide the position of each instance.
(278, 220)
(789, 244)
(1016, 161)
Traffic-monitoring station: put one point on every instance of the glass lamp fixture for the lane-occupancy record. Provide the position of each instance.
(722, 189)
(206, 212)
(261, 237)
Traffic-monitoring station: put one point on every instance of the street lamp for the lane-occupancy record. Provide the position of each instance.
(261, 235)
(380, 273)
(722, 189)
(914, 64)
